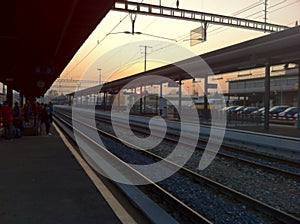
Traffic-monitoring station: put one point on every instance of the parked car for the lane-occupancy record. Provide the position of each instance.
(238, 110)
(274, 111)
(249, 110)
(258, 112)
(289, 114)
(230, 108)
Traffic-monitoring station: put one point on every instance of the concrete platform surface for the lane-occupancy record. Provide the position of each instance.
(275, 129)
(41, 182)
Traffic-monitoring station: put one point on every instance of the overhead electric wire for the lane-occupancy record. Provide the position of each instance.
(133, 57)
(297, 1)
(99, 42)
(260, 16)
(225, 28)
(182, 37)
(251, 6)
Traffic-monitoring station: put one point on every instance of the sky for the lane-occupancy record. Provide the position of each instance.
(118, 54)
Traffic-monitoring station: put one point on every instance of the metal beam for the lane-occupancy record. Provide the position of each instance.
(77, 81)
(174, 13)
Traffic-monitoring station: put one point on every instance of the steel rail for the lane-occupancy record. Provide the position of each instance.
(255, 155)
(269, 210)
(166, 196)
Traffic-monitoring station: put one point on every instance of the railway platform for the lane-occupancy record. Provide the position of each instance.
(275, 129)
(41, 182)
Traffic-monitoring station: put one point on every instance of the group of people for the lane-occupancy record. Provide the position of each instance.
(14, 119)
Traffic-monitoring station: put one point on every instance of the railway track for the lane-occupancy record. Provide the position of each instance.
(179, 209)
(269, 211)
(276, 165)
(272, 164)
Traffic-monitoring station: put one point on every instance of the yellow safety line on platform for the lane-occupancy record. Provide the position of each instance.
(118, 209)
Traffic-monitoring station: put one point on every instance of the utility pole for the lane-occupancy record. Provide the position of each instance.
(145, 56)
(145, 68)
(266, 11)
(99, 69)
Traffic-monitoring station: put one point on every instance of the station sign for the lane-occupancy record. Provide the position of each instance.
(197, 36)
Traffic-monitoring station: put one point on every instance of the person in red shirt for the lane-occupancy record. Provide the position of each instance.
(7, 119)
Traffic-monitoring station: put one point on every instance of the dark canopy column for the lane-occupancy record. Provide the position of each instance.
(267, 96)
(298, 98)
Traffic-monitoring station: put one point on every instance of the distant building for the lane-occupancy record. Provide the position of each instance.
(283, 89)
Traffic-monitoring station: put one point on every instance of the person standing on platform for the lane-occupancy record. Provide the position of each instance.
(27, 113)
(7, 119)
(50, 109)
(17, 122)
(16, 109)
(1, 124)
(35, 113)
(44, 120)
(0, 115)
(48, 121)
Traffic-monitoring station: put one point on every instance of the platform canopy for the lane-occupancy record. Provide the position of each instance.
(38, 38)
(275, 49)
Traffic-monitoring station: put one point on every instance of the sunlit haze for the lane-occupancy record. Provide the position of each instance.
(108, 36)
